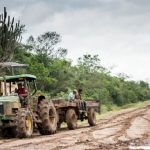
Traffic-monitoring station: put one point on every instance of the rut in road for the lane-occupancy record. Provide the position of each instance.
(115, 132)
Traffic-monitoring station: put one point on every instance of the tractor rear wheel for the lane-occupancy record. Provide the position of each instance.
(24, 123)
(71, 119)
(48, 115)
(91, 117)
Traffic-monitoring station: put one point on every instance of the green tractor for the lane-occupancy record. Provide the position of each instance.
(18, 117)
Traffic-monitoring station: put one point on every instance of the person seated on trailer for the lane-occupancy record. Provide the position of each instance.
(22, 92)
(73, 95)
(80, 93)
(82, 102)
(76, 94)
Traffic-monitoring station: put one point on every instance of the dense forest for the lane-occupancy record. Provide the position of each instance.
(56, 74)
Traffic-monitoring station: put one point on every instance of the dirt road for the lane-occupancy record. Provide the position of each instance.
(130, 127)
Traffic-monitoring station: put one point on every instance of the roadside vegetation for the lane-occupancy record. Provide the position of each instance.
(121, 109)
(56, 74)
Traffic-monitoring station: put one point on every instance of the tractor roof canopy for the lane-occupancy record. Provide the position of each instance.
(12, 68)
(12, 64)
(21, 77)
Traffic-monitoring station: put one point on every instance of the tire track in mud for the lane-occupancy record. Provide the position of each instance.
(112, 119)
(83, 136)
(122, 131)
(55, 138)
(126, 124)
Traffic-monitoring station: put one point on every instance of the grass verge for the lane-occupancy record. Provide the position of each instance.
(113, 110)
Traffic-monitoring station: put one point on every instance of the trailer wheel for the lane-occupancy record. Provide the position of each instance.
(24, 123)
(71, 119)
(91, 117)
(48, 116)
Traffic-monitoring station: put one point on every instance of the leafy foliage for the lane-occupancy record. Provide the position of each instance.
(55, 74)
(10, 34)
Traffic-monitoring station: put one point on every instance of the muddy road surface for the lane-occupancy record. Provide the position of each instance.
(120, 131)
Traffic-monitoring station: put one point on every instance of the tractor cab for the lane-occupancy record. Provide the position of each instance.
(17, 88)
(15, 92)
(19, 115)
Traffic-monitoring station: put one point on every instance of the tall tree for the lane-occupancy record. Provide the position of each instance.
(10, 35)
(90, 63)
(45, 47)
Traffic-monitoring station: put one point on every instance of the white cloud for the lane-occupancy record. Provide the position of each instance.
(117, 30)
(36, 13)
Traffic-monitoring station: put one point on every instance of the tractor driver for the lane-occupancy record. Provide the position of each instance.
(22, 92)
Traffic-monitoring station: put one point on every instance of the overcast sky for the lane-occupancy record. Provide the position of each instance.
(117, 30)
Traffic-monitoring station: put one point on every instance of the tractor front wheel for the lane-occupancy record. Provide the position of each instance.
(24, 123)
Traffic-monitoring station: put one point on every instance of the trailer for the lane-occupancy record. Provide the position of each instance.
(72, 111)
